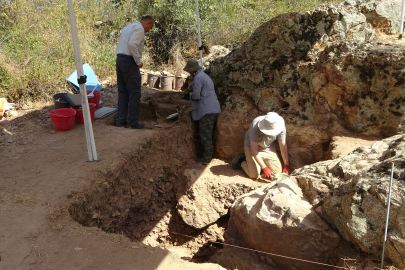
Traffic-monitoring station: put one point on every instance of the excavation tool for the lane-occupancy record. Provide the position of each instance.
(388, 216)
(91, 146)
(197, 11)
(401, 30)
(173, 116)
(280, 175)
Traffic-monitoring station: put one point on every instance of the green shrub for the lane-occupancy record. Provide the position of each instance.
(36, 41)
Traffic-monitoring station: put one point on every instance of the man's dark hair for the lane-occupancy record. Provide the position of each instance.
(148, 18)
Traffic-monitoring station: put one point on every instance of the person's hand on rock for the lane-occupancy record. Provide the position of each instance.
(286, 169)
(267, 172)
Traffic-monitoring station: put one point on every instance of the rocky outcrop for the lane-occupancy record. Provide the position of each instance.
(323, 70)
(216, 51)
(301, 215)
(351, 194)
(208, 197)
(384, 16)
(328, 75)
(276, 218)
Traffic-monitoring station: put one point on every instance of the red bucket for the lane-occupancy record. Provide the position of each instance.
(62, 119)
(79, 113)
(96, 98)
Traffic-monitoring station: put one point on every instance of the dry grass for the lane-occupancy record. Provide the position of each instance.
(58, 212)
(21, 200)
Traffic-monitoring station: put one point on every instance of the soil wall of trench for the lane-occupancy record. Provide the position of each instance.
(138, 197)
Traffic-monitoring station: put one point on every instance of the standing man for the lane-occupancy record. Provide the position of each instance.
(260, 151)
(206, 106)
(129, 61)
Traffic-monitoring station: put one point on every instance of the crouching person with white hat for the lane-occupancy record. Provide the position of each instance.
(260, 150)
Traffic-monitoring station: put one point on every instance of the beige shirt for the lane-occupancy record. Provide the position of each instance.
(131, 41)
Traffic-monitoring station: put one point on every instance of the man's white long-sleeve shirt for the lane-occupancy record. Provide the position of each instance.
(131, 41)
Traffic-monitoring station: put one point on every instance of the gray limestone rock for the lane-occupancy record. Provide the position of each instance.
(384, 16)
(276, 218)
(351, 194)
(208, 198)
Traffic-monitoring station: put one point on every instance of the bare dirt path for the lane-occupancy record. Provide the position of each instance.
(36, 231)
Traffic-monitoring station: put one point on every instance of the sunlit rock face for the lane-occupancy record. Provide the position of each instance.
(323, 70)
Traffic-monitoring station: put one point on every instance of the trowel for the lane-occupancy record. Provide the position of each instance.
(280, 175)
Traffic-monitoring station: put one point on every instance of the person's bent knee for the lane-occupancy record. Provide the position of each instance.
(252, 174)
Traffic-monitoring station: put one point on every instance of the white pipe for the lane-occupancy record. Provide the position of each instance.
(91, 147)
(197, 11)
(401, 31)
(388, 217)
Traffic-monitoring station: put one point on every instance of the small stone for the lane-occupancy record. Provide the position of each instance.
(9, 140)
(263, 258)
(4, 123)
(151, 180)
(133, 192)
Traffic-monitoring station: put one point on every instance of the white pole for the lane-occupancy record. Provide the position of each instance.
(388, 217)
(197, 11)
(401, 31)
(91, 147)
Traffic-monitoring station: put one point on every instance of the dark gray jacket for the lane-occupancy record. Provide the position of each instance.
(203, 96)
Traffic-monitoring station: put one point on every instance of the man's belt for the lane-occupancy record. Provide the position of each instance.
(124, 56)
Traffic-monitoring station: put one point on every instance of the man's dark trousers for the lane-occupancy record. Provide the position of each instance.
(129, 90)
(206, 129)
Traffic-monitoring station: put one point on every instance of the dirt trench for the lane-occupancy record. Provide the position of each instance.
(137, 198)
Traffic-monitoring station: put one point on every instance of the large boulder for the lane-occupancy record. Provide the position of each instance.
(351, 193)
(323, 70)
(208, 197)
(276, 218)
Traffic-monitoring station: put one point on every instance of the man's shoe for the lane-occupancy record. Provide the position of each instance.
(137, 126)
(202, 161)
(237, 161)
(121, 125)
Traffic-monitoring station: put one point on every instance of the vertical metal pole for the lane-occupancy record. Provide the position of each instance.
(197, 11)
(388, 217)
(91, 147)
(401, 31)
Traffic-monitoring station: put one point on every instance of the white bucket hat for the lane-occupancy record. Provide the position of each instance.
(272, 124)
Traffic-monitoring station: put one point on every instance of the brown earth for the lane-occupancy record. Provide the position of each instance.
(48, 191)
(45, 181)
